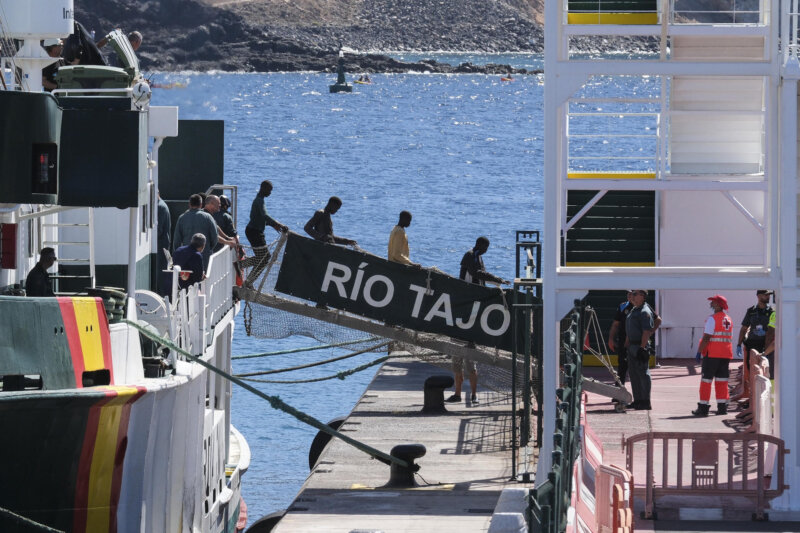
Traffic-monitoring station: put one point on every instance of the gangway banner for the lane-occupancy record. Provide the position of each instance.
(397, 294)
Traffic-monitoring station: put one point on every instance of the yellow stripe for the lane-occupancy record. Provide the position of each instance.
(599, 264)
(105, 450)
(612, 18)
(611, 175)
(89, 332)
(590, 359)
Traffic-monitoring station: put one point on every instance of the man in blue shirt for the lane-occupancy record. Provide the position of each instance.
(190, 259)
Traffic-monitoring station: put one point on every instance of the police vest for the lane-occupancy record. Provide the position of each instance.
(720, 345)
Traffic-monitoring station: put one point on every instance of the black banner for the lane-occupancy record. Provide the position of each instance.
(402, 295)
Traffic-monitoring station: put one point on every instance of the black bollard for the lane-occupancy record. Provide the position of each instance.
(402, 477)
(434, 393)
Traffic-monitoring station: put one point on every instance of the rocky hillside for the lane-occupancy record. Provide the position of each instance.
(465, 25)
(288, 35)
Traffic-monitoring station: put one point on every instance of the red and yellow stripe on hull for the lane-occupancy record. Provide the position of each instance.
(86, 327)
(99, 480)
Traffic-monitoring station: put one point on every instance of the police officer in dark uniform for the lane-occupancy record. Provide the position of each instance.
(616, 336)
(754, 325)
(753, 335)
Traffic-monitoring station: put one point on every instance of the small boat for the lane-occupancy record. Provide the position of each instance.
(507, 78)
(362, 82)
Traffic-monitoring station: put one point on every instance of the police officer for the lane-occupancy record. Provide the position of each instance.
(639, 327)
(616, 336)
(753, 334)
(716, 350)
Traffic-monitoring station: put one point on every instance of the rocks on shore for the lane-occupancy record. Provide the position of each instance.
(256, 36)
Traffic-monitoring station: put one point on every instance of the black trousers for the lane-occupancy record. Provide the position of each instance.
(262, 255)
(622, 361)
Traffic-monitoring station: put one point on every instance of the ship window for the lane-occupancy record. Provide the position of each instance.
(17, 382)
(94, 378)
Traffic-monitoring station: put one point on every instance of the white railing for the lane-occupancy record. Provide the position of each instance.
(218, 285)
(613, 139)
(790, 26)
(197, 309)
(727, 12)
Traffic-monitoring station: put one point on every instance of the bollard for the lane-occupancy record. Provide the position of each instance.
(434, 393)
(401, 477)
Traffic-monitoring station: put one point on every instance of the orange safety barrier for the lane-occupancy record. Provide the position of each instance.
(603, 494)
(715, 468)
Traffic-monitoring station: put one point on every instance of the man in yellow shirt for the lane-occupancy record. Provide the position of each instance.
(398, 241)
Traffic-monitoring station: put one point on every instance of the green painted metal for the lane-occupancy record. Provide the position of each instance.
(549, 502)
(118, 151)
(107, 276)
(526, 325)
(30, 420)
(30, 122)
(191, 162)
(612, 6)
(33, 341)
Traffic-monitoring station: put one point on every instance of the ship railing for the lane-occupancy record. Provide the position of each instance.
(126, 92)
(549, 502)
(650, 12)
(218, 286)
(623, 134)
(721, 12)
(708, 464)
(200, 307)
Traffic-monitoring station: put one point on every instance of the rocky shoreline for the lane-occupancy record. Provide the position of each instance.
(246, 36)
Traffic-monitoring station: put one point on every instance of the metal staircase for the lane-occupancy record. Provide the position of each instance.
(75, 245)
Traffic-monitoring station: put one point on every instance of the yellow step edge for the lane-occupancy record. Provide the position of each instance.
(612, 18)
(611, 175)
(589, 359)
(601, 264)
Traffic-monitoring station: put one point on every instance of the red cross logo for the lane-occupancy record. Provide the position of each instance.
(726, 323)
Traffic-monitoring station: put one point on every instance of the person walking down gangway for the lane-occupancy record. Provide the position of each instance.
(320, 225)
(473, 271)
(259, 220)
(398, 241)
(716, 352)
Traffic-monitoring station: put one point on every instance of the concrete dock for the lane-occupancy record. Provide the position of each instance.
(467, 464)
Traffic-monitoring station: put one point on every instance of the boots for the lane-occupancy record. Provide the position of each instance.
(702, 410)
(722, 408)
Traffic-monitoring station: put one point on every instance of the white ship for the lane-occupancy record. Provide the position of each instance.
(101, 429)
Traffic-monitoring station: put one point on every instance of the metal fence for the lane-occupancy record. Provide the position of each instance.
(548, 504)
(526, 431)
(709, 464)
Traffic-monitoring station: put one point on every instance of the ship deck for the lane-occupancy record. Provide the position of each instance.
(467, 464)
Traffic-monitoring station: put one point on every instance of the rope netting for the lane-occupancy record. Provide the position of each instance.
(265, 322)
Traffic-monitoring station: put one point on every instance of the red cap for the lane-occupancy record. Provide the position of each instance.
(721, 300)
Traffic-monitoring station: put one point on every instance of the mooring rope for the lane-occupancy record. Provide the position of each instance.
(305, 349)
(315, 363)
(340, 375)
(274, 401)
(27, 521)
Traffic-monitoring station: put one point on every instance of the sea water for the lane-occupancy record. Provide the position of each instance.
(463, 153)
